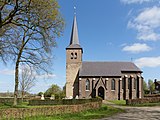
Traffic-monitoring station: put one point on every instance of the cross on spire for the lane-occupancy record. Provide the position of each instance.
(74, 10)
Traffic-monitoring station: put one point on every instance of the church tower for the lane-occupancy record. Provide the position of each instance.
(73, 62)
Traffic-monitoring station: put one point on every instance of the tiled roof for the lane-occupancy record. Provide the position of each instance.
(107, 68)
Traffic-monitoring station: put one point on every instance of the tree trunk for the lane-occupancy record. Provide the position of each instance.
(16, 83)
(0, 20)
(22, 95)
(17, 76)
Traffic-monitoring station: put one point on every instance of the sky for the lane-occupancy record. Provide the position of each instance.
(109, 30)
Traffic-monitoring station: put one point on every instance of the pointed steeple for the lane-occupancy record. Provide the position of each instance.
(74, 41)
(74, 34)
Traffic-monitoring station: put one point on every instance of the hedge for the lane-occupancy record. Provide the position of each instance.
(10, 100)
(152, 95)
(62, 102)
(22, 113)
(143, 100)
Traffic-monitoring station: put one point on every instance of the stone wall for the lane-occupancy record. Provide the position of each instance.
(21, 113)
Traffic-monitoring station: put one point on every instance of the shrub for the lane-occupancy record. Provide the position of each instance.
(63, 102)
(10, 100)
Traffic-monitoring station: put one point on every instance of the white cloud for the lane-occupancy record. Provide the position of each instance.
(147, 23)
(7, 72)
(137, 48)
(148, 62)
(135, 1)
(45, 76)
(41, 76)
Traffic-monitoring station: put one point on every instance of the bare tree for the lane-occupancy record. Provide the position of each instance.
(30, 35)
(27, 80)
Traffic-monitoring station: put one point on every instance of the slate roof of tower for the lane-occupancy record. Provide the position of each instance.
(107, 68)
(74, 42)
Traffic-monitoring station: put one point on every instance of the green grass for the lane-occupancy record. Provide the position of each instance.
(102, 112)
(10, 105)
(118, 102)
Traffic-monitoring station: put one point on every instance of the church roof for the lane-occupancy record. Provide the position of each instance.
(107, 68)
(74, 42)
(158, 82)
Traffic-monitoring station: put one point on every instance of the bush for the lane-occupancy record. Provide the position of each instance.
(143, 100)
(146, 91)
(63, 102)
(40, 93)
(151, 95)
(10, 100)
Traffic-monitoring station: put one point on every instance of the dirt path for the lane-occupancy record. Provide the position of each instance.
(136, 113)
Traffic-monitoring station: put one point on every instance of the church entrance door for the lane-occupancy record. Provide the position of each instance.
(101, 92)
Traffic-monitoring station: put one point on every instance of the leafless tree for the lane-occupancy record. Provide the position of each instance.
(27, 80)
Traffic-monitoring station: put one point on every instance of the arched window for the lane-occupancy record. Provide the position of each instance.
(129, 83)
(135, 83)
(72, 55)
(113, 84)
(87, 84)
(75, 56)
(123, 83)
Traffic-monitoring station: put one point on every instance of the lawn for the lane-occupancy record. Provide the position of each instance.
(10, 105)
(118, 102)
(102, 112)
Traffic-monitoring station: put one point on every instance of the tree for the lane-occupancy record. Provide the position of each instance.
(40, 94)
(31, 27)
(27, 81)
(145, 88)
(63, 93)
(145, 85)
(151, 86)
(53, 90)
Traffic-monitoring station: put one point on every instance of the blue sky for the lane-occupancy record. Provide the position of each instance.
(109, 30)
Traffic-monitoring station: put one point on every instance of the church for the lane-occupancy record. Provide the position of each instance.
(108, 80)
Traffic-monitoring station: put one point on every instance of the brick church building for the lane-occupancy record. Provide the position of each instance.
(108, 80)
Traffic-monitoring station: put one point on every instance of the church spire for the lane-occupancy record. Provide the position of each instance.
(74, 35)
(74, 40)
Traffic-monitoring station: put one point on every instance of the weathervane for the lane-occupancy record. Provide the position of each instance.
(74, 10)
(74, 7)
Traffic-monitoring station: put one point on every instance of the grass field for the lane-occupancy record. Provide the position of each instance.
(118, 102)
